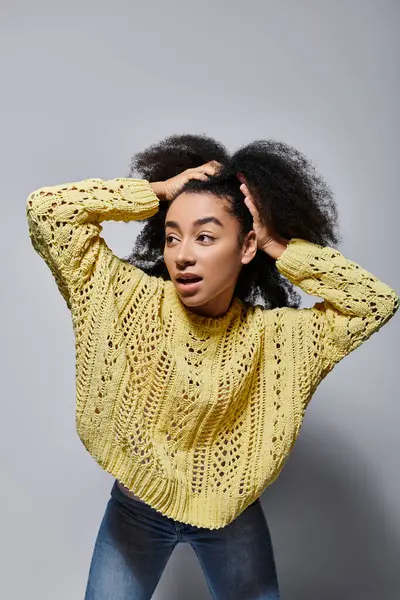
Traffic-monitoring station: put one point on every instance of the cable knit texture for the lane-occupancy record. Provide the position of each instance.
(195, 415)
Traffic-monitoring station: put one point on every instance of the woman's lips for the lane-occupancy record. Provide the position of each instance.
(189, 286)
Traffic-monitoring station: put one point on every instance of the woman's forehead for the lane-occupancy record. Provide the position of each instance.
(189, 207)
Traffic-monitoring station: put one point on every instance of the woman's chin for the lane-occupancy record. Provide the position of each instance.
(192, 300)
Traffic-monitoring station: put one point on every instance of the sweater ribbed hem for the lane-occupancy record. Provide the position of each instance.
(169, 497)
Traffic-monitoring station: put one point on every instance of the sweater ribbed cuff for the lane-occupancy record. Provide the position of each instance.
(294, 262)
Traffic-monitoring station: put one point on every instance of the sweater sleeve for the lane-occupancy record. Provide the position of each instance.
(64, 224)
(355, 304)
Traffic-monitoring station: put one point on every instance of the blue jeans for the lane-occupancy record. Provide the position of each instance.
(135, 541)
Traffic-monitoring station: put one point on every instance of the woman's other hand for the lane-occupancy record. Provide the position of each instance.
(267, 239)
(174, 184)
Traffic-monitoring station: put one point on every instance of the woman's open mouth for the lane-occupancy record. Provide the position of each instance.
(189, 285)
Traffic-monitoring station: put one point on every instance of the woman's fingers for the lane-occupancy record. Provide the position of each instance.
(175, 183)
(253, 210)
(200, 176)
(245, 190)
(251, 205)
(211, 167)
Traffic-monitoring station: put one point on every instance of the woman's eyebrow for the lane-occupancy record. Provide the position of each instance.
(196, 223)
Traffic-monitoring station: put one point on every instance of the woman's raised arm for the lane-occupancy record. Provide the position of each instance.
(64, 223)
(356, 303)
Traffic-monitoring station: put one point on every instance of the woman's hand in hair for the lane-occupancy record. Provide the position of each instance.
(268, 240)
(173, 185)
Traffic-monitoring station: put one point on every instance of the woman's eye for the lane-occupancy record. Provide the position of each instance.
(202, 235)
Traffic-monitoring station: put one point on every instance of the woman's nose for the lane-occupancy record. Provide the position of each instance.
(185, 254)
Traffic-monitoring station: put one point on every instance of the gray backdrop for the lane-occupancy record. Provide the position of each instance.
(86, 85)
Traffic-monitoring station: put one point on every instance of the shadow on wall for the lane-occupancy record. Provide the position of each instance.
(331, 534)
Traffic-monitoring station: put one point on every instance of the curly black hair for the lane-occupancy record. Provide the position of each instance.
(289, 194)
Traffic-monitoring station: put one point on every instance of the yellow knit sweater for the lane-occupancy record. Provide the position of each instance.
(196, 415)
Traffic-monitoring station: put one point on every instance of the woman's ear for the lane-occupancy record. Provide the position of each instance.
(249, 248)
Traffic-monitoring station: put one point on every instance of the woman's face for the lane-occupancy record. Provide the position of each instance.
(208, 249)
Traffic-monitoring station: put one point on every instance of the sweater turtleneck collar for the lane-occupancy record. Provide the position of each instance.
(215, 324)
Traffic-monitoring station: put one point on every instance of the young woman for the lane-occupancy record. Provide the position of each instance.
(194, 362)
